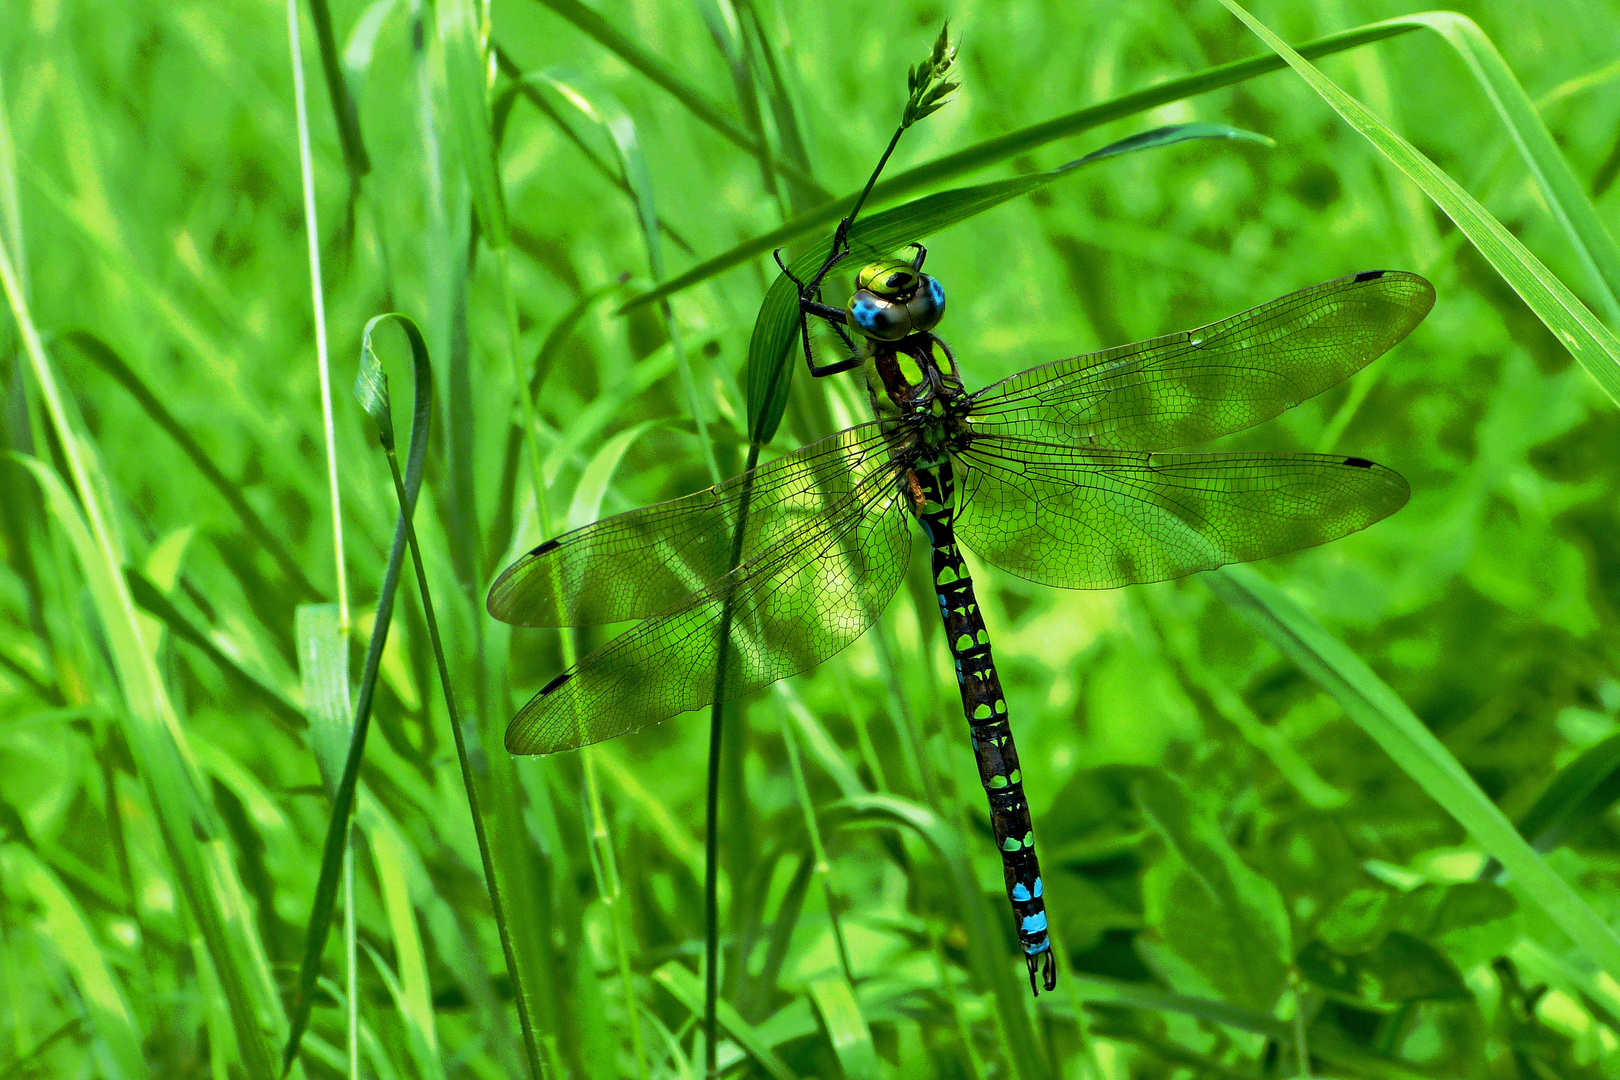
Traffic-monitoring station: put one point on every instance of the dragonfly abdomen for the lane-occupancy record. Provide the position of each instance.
(985, 707)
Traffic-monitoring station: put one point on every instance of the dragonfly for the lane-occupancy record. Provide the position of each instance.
(1065, 474)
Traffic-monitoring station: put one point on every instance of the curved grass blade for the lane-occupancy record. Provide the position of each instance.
(320, 916)
(1377, 710)
(664, 76)
(770, 369)
(152, 728)
(986, 953)
(108, 359)
(371, 388)
(1005, 147)
(1588, 340)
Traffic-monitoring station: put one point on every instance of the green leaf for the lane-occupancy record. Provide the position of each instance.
(1218, 916)
(776, 328)
(1399, 970)
(1377, 710)
(1588, 340)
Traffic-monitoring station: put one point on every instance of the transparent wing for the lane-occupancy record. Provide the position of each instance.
(1185, 388)
(1098, 519)
(636, 564)
(795, 603)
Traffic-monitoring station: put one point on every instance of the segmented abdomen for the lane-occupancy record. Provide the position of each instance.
(986, 711)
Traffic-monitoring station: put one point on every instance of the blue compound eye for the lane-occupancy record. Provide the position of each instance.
(927, 304)
(878, 318)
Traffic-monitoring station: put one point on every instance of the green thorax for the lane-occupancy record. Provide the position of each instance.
(916, 392)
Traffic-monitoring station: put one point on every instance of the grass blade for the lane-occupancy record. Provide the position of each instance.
(465, 76)
(151, 600)
(1565, 195)
(664, 76)
(1377, 710)
(154, 729)
(846, 1028)
(1006, 147)
(685, 988)
(323, 671)
(776, 329)
(372, 391)
(389, 854)
(602, 109)
(343, 802)
(1588, 340)
(344, 110)
(108, 359)
(65, 926)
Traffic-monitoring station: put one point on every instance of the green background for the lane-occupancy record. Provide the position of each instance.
(1222, 846)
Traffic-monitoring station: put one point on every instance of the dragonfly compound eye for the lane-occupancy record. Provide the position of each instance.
(878, 317)
(889, 319)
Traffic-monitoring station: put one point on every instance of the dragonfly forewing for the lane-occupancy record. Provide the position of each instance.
(636, 564)
(1197, 385)
(799, 599)
(1083, 518)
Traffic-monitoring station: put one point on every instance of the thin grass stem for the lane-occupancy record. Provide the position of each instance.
(605, 865)
(817, 849)
(306, 169)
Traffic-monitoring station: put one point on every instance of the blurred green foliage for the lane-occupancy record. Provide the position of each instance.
(1222, 846)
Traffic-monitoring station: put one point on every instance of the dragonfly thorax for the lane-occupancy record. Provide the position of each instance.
(894, 299)
(914, 386)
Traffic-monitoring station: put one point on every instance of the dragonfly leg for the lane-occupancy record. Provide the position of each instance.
(821, 371)
(810, 304)
(922, 253)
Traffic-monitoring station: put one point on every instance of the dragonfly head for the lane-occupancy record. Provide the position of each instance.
(894, 299)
